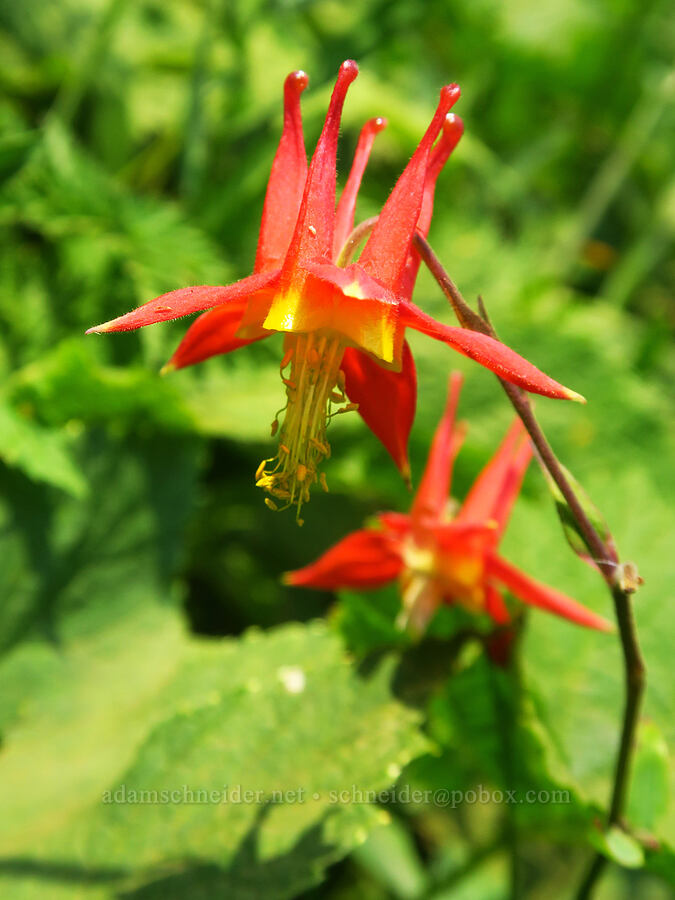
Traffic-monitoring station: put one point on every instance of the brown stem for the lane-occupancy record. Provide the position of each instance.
(634, 666)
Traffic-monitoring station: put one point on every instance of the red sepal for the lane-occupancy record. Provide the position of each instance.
(364, 559)
(492, 354)
(537, 594)
(495, 606)
(189, 300)
(213, 333)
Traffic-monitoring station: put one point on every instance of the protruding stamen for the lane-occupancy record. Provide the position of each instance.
(311, 389)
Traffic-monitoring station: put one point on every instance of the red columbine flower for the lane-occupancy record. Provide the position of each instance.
(442, 556)
(344, 326)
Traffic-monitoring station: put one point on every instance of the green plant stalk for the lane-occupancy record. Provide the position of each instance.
(634, 667)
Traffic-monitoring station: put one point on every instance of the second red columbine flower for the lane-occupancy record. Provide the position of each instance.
(344, 327)
(441, 556)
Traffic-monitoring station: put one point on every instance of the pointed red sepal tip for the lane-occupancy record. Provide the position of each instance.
(572, 395)
(102, 328)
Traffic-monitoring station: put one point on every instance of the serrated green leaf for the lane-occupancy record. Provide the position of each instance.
(282, 712)
(116, 547)
(69, 383)
(42, 453)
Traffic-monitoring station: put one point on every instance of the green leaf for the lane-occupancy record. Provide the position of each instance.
(280, 715)
(42, 453)
(621, 848)
(368, 622)
(573, 533)
(77, 712)
(69, 383)
(392, 859)
(492, 739)
(117, 547)
(648, 799)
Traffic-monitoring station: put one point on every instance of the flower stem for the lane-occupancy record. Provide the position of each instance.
(634, 667)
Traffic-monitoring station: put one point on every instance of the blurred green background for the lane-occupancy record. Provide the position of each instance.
(135, 144)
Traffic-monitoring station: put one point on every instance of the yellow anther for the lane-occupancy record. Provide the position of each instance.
(323, 482)
(259, 472)
(322, 448)
(314, 386)
(271, 504)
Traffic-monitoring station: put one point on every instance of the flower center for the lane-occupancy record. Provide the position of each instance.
(462, 578)
(420, 591)
(431, 577)
(315, 393)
